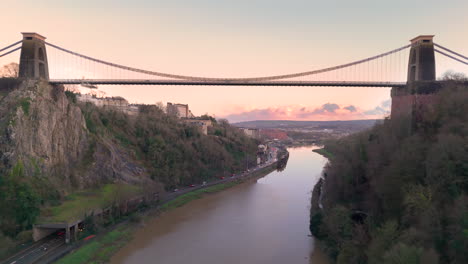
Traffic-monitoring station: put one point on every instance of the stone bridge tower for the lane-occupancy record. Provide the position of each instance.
(420, 90)
(421, 66)
(33, 60)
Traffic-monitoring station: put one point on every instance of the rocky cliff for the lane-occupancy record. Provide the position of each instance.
(46, 131)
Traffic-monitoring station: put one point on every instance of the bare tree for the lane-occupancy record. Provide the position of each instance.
(10, 70)
(454, 76)
(97, 93)
(161, 106)
(72, 88)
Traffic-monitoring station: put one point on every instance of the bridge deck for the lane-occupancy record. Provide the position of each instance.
(227, 83)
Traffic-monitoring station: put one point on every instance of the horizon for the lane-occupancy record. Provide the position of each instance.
(351, 120)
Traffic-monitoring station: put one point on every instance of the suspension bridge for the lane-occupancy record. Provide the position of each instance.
(394, 68)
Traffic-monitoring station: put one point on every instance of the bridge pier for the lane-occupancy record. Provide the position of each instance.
(410, 100)
(67, 235)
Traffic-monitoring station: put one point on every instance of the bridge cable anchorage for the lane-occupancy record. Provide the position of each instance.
(252, 79)
(9, 52)
(451, 51)
(453, 58)
(10, 46)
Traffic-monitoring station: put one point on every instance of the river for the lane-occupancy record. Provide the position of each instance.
(260, 221)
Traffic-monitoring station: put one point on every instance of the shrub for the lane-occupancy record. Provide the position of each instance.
(25, 104)
(71, 96)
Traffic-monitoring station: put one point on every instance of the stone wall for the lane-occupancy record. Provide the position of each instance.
(203, 124)
(413, 98)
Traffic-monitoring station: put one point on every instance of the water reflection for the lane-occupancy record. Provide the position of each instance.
(263, 221)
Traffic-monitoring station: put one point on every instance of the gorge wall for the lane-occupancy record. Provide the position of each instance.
(47, 133)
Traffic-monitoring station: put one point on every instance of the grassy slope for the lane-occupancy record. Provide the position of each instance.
(77, 205)
(100, 250)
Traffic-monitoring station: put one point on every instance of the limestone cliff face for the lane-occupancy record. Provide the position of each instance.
(41, 128)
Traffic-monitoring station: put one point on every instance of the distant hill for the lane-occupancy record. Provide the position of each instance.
(289, 124)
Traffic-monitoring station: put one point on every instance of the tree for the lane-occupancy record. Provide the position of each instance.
(18, 201)
(73, 88)
(402, 253)
(10, 70)
(161, 106)
(454, 76)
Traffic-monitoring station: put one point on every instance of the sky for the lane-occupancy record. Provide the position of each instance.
(241, 38)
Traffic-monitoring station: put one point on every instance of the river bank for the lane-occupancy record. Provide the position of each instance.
(108, 242)
(323, 152)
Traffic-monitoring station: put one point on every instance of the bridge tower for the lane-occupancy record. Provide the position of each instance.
(421, 66)
(33, 60)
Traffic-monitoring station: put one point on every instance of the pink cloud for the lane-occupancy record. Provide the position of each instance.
(328, 111)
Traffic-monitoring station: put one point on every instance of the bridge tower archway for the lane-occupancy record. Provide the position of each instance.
(33, 59)
(421, 65)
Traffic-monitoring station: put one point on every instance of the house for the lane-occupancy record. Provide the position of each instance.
(179, 110)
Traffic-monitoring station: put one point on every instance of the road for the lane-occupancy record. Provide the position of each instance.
(175, 194)
(37, 250)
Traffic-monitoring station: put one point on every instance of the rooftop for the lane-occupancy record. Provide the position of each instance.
(33, 35)
(422, 37)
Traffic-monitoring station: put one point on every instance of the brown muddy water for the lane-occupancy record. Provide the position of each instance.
(261, 221)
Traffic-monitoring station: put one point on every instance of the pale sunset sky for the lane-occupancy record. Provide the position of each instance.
(242, 38)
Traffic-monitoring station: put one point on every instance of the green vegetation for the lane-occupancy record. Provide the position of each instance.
(77, 205)
(100, 250)
(18, 201)
(90, 125)
(398, 193)
(25, 103)
(324, 153)
(71, 96)
(175, 153)
(19, 205)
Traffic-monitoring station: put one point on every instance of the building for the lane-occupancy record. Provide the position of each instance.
(251, 132)
(203, 124)
(179, 110)
(183, 112)
(117, 102)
